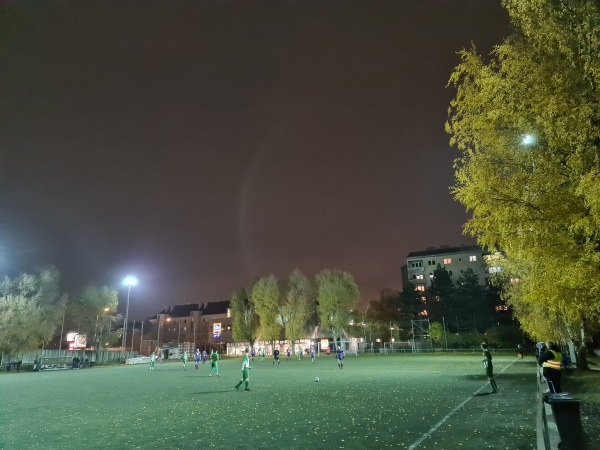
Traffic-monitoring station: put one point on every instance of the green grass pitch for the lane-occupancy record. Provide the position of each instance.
(376, 401)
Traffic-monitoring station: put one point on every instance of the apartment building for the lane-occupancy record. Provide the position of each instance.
(420, 265)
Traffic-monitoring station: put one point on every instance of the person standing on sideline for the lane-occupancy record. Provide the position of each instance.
(550, 362)
(312, 354)
(340, 357)
(152, 359)
(214, 365)
(252, 353)
(489, 368)
(245, 372)
(288, 354)
(276, 357)
(197, 357)
(519, 351)
(184, 359)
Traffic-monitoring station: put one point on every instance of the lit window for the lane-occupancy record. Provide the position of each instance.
(494, 269)
(447, 261)
(424, 313)
(419, 277)
(502, 308)
(420, 288)
(431, 276)
(423, 299)
(472, 258)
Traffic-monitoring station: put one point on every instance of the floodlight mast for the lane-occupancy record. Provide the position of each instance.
(129, 281)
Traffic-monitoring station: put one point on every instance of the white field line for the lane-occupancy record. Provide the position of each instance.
(445, 418)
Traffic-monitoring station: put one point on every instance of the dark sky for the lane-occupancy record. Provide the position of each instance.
(200, 144)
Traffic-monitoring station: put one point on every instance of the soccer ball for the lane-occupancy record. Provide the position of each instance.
(317, 379)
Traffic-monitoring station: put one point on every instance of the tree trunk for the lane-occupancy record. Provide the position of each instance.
(581, 351)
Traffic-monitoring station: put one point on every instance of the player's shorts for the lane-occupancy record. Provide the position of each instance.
(245, 374)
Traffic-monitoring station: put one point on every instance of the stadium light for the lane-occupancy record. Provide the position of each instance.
(129, 281)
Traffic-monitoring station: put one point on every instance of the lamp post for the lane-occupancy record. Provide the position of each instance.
(128, 281)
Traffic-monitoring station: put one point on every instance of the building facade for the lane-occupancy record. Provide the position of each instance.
(195, 325)
(421, 265)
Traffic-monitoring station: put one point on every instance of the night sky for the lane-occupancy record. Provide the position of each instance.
(200, 144)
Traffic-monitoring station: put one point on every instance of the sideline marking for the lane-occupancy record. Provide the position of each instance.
(441, 422)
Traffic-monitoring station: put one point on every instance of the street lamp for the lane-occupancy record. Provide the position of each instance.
(128, 281)
(528, 139)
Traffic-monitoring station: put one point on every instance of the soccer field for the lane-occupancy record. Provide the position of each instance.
(398, 401)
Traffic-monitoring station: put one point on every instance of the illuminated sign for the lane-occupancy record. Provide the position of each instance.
(217, 330)
(76, 340)
(324, 343)
(80, 341)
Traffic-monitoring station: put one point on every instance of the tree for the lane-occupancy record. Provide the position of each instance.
(411, 302)
(440, 298)
(91, 313)
(527, 122)
(298, 306)
(386, 308)
(31, 308)
(245, 321)
(266, 299)
(470, 299)
(338, 294)
(436, 331)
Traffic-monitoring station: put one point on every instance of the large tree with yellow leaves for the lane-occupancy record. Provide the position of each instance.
(526, 120)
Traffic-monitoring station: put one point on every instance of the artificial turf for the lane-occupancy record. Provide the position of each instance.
(376, 401)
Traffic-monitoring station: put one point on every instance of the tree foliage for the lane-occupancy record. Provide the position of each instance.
(266, 299)
(536, 199)
(31, 308)
(298, 306)
(338, 295)
(92, 313)
(245, 320)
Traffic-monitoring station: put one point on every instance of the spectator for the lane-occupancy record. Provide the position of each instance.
(550, 360)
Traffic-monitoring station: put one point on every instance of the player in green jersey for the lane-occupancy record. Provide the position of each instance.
(214, 365)
(245, 372)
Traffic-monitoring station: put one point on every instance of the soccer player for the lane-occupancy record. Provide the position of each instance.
(152, 359)
(312, 354)
(252, 353)
(340, 357)
(204, 356)
(288, 354)
(276, 357)
(214, 365)
(197, 357)
(245, 372)
(184, 358)
(489, 368)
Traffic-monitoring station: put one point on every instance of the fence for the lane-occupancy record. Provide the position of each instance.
(28, 357)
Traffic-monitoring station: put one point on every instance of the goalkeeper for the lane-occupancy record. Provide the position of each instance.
(245, 372)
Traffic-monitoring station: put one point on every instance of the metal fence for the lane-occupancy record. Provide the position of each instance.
(29, 356)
